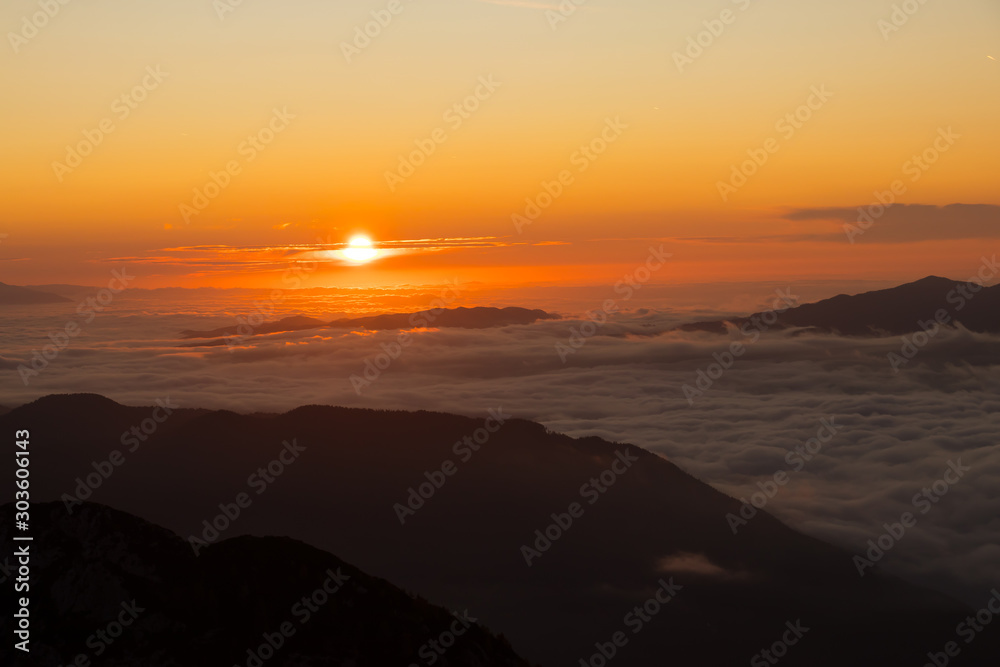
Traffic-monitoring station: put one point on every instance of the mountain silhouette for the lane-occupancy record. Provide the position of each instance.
(464, 318)
(888, 312)
(463, 544)
(12, 295)
(240, 598)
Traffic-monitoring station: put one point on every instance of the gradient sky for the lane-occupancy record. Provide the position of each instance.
(323, 176)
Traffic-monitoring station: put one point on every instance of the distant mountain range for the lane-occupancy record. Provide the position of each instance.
(441, 506)
(889, 312)
(12, 295)
(237, 599)
(464, 318)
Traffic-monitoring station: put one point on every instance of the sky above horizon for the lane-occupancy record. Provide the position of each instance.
(297, 134)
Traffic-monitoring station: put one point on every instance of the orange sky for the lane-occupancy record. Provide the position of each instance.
(164, 95)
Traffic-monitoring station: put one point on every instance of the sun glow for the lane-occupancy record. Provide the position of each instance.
(360, 249)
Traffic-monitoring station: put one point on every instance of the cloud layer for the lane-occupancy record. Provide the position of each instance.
(625, 381)
(908, 223)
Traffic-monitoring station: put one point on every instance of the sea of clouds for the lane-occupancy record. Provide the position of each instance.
(624, 381)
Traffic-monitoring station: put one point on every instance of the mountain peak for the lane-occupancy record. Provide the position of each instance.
(893, 311)
(76, 401)
(934, 280)
(12, 295)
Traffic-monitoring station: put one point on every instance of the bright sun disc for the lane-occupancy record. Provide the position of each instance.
(360, 249)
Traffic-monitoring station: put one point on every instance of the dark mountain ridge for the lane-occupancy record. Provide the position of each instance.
(237, 599)
(463, 544)
(12, 295)
(890, 312)
(463, 318)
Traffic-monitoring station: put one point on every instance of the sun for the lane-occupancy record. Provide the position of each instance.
(360, 249)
